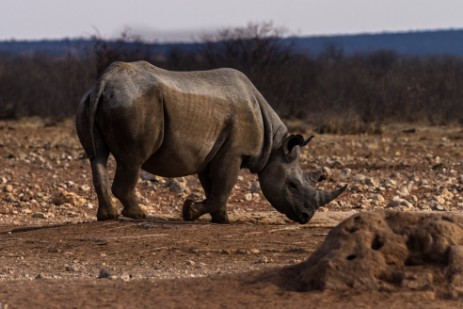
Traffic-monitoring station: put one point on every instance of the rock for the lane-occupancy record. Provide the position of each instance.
(359, 177)
(399, 202)
(248, 197)
(64, 197)
(435, 205)
(254, 187)
(326, 172)
(263, 259)
(104, 274)
(390, 183)
(84, 188)
(389, 251)
(177, 186)
(148, 176)
(446, 195)
(377, 200)
(39, 215)
(190, 263)
(8, 188)
(404, 192)
(371, 182)
(345, 173)
(71, 268)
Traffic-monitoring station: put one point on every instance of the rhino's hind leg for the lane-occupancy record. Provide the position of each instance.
(192, 210)
(106, 210)
(124, 189)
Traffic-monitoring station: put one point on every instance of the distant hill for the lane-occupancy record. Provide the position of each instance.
(419, 43)
(439, 42)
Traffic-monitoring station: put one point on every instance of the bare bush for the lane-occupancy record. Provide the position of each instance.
(333, 91)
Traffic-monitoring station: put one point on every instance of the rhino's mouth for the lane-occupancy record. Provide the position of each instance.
(301, 217)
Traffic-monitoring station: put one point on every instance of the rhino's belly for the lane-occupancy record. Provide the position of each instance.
(176, 162)
(168, 168)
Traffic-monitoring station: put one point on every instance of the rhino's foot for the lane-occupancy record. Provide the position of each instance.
(220, 217)
(134, 213)
(191, 210)
(106, 214)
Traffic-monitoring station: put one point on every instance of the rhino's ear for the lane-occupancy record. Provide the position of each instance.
(290, 150)
(308, 140)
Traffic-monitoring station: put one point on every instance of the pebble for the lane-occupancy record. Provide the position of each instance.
(248, 197)
(104, 274)
(326, 171)
(39, 215)
(254, 187)
(177, 186)
(371, 182)
(190, 263)
(345, 173)
(359, 177)
(390, 183)
(263, 260)
(8, 188)
(399, 202)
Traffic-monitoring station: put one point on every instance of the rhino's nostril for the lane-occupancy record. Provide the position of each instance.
(305, 216)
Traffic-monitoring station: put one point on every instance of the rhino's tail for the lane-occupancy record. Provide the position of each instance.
(85, 118)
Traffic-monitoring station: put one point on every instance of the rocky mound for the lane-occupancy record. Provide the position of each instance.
(389, 251)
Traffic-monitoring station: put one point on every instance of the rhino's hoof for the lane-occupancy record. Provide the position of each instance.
(220, 217)
(134, 213)
(188, 213)
(106, 214)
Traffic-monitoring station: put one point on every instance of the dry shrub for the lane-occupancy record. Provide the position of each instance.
(333, 92)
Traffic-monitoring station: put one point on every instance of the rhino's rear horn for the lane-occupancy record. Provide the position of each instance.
(326, 197)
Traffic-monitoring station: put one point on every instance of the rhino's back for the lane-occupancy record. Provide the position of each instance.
(203, 113)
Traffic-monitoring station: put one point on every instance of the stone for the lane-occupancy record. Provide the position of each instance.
(248, 197)
(104, 274)
(39, 215)
(148, 176)
(190, 263)
(254, 187)
(390, 183)
(345, 173)
(177, 186)
(378, 199)
(359, 177)
(371, 182)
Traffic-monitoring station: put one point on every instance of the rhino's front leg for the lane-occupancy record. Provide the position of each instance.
(218, 181)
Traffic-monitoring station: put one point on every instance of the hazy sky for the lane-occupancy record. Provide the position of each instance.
(186, 19)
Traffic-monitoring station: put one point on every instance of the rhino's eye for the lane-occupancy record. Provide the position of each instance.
(293, 186)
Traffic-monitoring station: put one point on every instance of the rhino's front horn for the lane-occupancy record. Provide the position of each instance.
(326, 197)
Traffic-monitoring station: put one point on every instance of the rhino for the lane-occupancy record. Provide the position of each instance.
(172, 124)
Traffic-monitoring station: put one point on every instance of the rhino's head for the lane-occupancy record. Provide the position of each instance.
(288, 188)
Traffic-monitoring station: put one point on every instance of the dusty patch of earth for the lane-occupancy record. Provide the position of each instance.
(54, 254)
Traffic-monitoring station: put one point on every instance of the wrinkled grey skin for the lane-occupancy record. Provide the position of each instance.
(172, 124)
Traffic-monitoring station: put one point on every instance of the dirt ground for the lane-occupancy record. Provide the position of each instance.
(54, 254)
